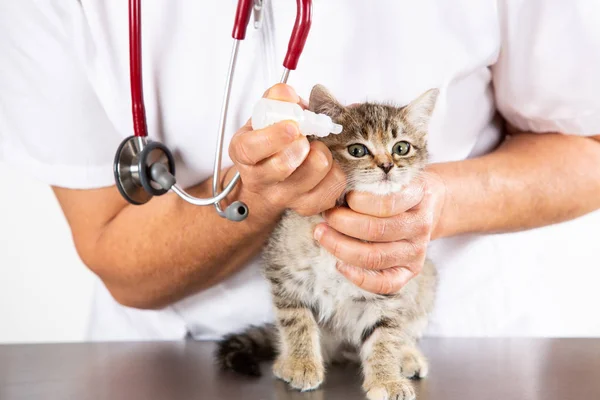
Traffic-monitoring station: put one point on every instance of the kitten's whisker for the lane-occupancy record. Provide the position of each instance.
(348, 184)
(335, 188)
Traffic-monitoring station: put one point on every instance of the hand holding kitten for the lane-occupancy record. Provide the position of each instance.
(398, 227)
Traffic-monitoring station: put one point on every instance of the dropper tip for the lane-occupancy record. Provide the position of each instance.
(336, 128)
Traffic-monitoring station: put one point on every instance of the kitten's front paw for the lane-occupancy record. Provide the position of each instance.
(414, 365)
(300, 373)
(395, 390)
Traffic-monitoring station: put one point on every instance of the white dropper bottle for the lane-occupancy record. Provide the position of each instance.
(268, 111)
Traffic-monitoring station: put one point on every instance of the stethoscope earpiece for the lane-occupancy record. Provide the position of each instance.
(236, 211)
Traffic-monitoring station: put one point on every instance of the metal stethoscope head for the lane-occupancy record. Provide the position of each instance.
(143, 168)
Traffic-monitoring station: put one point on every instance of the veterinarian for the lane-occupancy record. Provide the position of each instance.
(507, 211)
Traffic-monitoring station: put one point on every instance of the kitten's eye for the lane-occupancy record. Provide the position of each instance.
(401, 148)
(358, 150)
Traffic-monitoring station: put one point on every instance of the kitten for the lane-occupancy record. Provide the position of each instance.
(321, 317)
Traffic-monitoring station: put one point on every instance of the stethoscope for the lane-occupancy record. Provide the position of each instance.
(145, 168)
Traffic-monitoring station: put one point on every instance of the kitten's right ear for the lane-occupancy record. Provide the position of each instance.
(321, 101)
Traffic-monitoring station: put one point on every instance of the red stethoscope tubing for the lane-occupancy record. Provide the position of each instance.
(242, 17)
(138, 109)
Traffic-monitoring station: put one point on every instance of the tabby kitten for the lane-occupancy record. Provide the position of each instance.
(320, 316)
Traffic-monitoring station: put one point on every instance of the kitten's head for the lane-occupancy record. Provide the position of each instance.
(381, 147)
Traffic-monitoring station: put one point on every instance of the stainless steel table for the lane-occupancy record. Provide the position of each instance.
(465, 369)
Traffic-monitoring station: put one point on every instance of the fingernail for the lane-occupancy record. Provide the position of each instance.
(287, 90)
(283, 92)
(323, 160)
(406, 275)
(291, 129)
(348, 270)
(297, 152)
(319, 231)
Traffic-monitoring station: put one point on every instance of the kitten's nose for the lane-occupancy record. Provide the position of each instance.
(386, 167)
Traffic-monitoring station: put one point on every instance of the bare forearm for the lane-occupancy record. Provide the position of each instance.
(152, 255)
(530, 181)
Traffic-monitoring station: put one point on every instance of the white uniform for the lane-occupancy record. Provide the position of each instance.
(65, 107)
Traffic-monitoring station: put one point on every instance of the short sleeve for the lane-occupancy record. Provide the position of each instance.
(547, 77)
(52, 124)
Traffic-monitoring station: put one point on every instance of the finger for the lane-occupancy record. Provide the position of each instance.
(283, 92)
(374, 229)
(373, 256)
(388, 205)
(315, 167)
(278, 167)
(250, 147)
(329, 190)
(325, 195)
(387, 281)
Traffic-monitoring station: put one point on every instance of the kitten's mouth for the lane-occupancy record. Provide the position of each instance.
(386, 178)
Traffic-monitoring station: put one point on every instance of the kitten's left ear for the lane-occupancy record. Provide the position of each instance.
(321, 101)
(418, 112)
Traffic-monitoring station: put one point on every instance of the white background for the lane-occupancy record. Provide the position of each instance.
(45, 290)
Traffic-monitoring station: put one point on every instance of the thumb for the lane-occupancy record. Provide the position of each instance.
(282, 92)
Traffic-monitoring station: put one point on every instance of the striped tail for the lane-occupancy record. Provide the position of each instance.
(242, 352)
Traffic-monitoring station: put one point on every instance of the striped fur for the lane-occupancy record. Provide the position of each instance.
(320, 316)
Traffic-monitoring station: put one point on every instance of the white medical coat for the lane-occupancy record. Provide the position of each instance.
(65, 107)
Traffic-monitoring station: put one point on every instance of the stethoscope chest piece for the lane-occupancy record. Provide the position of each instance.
(132, 168)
